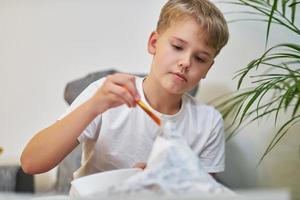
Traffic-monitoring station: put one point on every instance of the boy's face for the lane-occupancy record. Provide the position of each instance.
(181, 56)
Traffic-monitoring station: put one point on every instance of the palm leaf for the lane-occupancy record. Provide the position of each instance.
(279, 135)
(274, 8)
(293, 7)
(275, 90)
(273, 14)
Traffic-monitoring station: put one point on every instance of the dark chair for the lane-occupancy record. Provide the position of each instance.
(13, 179)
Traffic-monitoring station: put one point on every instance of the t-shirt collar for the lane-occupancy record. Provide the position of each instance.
(139, 85)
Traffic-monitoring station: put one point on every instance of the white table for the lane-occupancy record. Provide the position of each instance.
(14, 196)
(245, 195)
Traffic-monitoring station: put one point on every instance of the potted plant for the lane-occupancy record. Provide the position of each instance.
(274, 75)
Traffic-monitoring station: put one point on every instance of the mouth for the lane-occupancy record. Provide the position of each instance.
(180, 76)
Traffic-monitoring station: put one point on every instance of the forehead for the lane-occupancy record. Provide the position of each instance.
(188, 29)
(188, 25)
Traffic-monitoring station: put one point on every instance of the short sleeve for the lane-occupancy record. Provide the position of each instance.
(213, 153)
(92, 130)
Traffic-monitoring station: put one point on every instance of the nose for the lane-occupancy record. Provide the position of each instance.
(184, 63)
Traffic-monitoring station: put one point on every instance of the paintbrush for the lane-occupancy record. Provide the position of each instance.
(148, 111)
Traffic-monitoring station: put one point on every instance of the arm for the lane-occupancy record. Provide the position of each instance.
(49, 146)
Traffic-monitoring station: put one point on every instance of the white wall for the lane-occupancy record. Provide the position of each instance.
(46, 43)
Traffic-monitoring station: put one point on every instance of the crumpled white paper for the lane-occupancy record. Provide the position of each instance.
(172, 169)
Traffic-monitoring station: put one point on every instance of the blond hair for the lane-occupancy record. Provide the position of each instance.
(206, 14)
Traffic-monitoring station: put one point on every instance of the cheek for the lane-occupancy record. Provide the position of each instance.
(197, 73)
(195, 79)
(164, 61)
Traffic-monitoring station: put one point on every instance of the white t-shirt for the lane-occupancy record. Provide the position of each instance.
(121, 137)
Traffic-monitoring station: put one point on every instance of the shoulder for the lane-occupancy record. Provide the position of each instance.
(198, 108)
(87, 93)
(90, 90)
(97, 83)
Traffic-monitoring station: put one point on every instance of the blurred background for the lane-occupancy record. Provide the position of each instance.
(44, 44)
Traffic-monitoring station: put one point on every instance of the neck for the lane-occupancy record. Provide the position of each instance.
(159, 99)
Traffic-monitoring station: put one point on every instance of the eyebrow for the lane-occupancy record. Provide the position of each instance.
(183, 41)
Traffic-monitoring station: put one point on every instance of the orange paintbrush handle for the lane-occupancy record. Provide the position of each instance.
(147, 110)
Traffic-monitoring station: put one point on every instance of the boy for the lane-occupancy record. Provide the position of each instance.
(117, 134)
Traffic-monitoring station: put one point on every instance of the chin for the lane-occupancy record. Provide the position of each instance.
(174, 90)
(172, 86)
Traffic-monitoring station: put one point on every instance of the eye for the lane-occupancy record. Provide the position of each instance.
(177, 47)
(199, 59)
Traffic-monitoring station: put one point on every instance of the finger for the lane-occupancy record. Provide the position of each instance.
(122, 94)
(116, 100)
(131, 86)
(140, 165)
(127, 81)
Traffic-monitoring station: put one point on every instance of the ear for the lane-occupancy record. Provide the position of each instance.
(212, 63)
(152, 42)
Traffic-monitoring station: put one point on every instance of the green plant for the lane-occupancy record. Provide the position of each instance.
(275, 75)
